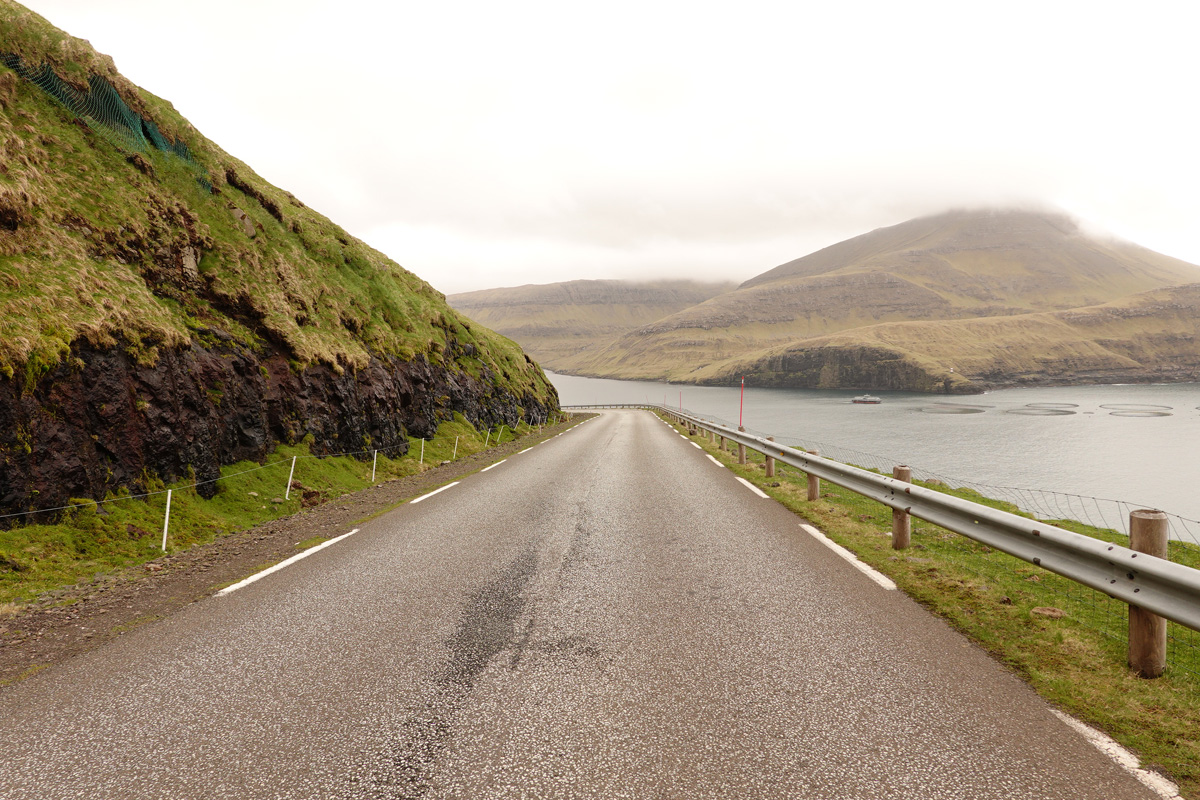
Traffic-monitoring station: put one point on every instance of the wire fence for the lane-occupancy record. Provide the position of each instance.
(1105, 519)
(1042, 504)
(491, 437)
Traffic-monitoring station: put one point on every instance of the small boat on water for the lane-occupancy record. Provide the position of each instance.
(867, 400)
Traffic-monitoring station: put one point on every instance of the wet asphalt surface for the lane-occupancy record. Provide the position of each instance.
(609, 615)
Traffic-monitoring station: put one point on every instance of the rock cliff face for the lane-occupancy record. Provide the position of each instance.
(851, 367)
(100, 422)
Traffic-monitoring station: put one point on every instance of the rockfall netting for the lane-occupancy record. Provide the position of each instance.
(102, 110)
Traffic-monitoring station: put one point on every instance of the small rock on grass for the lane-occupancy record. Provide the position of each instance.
(1048, 611)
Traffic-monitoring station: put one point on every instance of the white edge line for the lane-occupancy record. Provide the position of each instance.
(527, 449)
(698, 447)
(1123, 758)
(485, 469)
(285, 563)
(870, 572)
(753, 488)
(718, 463)
(435, 491)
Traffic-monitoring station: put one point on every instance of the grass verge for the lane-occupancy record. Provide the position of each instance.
(96, 538)
(1077, 661)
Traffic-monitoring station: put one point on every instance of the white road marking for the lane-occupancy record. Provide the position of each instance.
(485, 469)
(718, 463)
(1123, 758)
(752, 487)
(698, 447)
(527, 449)
(870, 572)
(435, 491)
(282, 564)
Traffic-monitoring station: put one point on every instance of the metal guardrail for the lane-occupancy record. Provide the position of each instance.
(1159, 586)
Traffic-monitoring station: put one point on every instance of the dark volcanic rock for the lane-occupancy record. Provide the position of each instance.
(100, 421)
(872, 368)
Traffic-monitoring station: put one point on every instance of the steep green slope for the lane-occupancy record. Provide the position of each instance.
(558, 322)
(959, 265)
(165, 309)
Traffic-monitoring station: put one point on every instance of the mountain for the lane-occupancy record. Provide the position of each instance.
(165, 311)
(924, 273)
(559, 322)
(1149, 337)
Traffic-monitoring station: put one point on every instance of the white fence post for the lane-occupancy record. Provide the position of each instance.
(422, 449)
(488, 439)
(166, 521)
(287, 494)
(455, 449)
(374, 461)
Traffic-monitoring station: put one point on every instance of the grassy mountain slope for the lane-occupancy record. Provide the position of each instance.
(105, 244)
(559, 321)
(161, 305)
(954, 266)
(1153, 336)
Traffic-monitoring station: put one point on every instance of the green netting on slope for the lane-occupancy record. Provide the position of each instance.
(102, 108)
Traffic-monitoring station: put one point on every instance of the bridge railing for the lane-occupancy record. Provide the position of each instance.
(1152, 584)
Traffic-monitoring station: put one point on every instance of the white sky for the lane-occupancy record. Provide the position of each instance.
(485, 144)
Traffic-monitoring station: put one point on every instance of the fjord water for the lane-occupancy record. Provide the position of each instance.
(1135, 443)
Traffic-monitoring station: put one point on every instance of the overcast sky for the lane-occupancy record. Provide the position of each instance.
(485, 144)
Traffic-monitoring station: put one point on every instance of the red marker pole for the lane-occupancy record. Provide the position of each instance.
(741, 399)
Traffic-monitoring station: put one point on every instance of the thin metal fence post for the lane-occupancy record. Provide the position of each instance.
(814, 483)
(901, 521)
(374, 461)
(455, 449)
(422, 449)
(770, 461)
(1148, 533)
(287, 493)
(488, 439)
(166, 521)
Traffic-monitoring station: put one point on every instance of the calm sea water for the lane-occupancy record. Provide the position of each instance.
(1134, 443)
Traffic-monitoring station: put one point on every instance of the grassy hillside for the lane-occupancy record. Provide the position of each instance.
(125, 245)
(956, 266)
(559, 321)
(164, 311)
(1154, 336)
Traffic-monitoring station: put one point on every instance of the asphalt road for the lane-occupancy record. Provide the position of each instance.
(608, 615)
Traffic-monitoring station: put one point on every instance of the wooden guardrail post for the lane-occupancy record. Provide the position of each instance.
(770, 461)
(814, 483)
(1147, 632)
(901, 521)
(741, 449)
